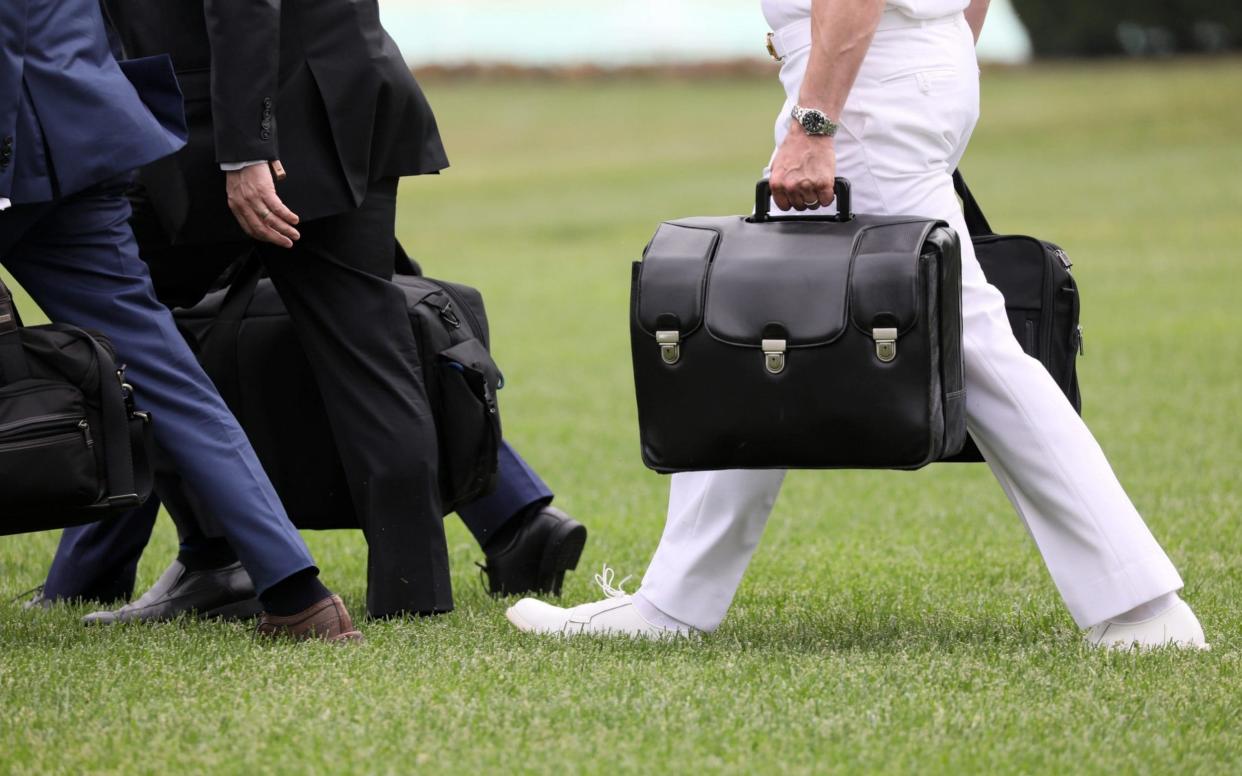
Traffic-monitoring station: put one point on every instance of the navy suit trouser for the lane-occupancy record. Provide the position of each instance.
(99, 561)
(78, 258)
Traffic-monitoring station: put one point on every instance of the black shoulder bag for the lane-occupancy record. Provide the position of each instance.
(73, 449)
(1041, 298)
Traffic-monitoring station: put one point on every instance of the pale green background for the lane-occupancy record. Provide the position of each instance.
(617, 32)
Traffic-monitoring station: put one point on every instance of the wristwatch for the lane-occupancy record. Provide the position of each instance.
(814, 121)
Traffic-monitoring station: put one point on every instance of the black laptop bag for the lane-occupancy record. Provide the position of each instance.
(800, 342)
(1041, 298)
(248, 346)
(73, 449)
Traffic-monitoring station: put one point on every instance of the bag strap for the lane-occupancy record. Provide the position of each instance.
(13, 366)
(976, 223)
(218, 351)
(140, 448)
(118, 453)
(241, 289)
(403, 264)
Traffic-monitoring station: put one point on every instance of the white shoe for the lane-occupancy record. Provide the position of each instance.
(615, 615)
(1175, 627)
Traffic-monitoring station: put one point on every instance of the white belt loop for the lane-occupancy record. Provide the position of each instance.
(797, 35)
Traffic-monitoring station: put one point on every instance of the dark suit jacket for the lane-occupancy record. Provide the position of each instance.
(317, 84)
(69, 116)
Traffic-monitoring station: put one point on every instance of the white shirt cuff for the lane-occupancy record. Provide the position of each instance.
(4, 203)
(235, 166)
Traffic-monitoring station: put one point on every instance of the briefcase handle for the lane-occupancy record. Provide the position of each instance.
(763, 198)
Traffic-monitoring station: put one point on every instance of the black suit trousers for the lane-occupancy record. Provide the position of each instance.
(352, 322)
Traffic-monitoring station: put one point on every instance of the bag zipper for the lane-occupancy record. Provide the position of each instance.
(31, 431)
(27, 427)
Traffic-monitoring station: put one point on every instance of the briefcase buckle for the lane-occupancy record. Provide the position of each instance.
(774, 355)
(885, 344)
(670, 346)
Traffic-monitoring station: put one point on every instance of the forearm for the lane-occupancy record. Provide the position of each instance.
(841, 32)
(975, 14)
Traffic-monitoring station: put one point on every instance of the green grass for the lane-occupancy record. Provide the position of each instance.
(890, 622)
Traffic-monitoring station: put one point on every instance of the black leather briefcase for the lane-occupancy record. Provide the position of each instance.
(1041, 299)
(799, 342)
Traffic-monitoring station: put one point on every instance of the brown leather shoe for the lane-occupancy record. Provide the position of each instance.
(327, 620)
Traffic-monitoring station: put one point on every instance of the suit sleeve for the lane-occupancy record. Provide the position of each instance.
(12, 44)
(245, 62)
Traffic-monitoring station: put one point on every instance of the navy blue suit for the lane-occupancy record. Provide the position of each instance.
(72, 127)
(69, 118)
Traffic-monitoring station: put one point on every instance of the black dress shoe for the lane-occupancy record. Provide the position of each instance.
(224, 593)
(536, 558)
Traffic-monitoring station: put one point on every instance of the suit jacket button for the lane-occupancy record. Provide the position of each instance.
(265, 135)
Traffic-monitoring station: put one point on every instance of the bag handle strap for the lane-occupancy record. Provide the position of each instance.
(241, 289)
(118, 454)
(218, 351)
(403, 264)
(13, 366)
(140, 447)
(976, 223)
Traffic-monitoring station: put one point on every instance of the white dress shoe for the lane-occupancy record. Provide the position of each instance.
(615, 615)
(1175, 627)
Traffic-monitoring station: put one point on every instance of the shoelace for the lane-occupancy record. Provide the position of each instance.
(36, 590)
(485, 577)
(604, 580)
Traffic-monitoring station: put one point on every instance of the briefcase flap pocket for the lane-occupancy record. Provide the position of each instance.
(884, 290)
(673, 271)
(796, 286)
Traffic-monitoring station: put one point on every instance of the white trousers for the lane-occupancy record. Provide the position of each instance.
(903, 129)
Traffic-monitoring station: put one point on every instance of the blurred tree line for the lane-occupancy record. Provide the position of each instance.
(1071, 28)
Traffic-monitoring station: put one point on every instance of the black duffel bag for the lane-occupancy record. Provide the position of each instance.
(73, 449)
(1041, 299)
(799, 341)
(247, 344)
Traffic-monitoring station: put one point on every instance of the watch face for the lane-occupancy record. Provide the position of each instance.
(814, 122)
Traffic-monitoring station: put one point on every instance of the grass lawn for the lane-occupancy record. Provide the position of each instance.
(890, 621)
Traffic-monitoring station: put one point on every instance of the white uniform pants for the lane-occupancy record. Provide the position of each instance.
(904, 127)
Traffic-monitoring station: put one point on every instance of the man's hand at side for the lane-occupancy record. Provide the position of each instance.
(253, 200)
